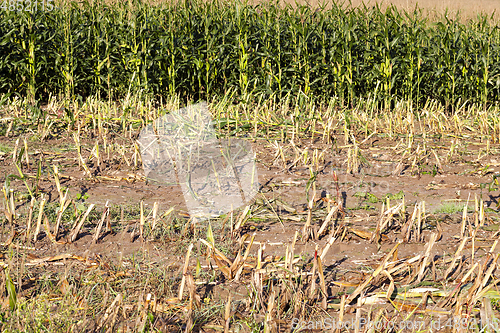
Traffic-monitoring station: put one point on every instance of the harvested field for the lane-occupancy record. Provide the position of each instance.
(378, 186)
(393, 223)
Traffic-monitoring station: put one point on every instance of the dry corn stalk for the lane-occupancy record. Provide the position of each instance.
(269, 324)
(111, 312)
(60, 213)
(313, 276)
(322, 282)
(421, 272)
(375, 273)
(142, 221)
(456, 256)
(30, 218)
(384, 221)
(39, 220)
(341, 312)
(306, 230)
(184, 272)
(51, 236)
(101, 222)
(328, 219)
(227, 314)
(242, 219)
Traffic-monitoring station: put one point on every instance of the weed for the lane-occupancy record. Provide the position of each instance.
(451, 208)
(370, 197)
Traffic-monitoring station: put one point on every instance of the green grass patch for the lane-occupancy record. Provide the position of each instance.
(452, 208)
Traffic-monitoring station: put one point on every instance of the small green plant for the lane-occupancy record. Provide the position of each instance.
(370, 197)
(4, 148)
(398, 196)
(495, 301)
(80, 205)
(494, 184)
(83, 197)
(451, 208)
(364, 207)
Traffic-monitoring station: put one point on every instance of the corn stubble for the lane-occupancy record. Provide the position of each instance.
(292, 76)
(279, 289)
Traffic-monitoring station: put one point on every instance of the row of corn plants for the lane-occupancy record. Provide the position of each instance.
(204, 49)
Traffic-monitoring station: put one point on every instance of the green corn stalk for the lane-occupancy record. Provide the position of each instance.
(242, 51)
(206, 50)
(279, 72)
(11, 291)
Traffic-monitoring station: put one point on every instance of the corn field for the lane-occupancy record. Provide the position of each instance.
(201, 50)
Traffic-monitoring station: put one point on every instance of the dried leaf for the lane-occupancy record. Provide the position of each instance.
(361, 233)
(64, 286)
(405, 306)
(52, 258)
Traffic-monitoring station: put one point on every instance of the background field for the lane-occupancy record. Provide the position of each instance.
(467, 8)
(201, 50)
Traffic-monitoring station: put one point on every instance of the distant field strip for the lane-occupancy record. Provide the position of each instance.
(202, 50)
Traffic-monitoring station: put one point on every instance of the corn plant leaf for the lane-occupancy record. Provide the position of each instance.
(11, 291)
(210, 235)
